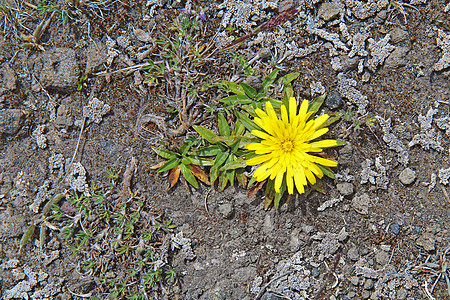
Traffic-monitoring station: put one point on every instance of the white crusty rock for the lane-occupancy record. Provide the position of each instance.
(346, 87)
(379, 51)
(427, 137)
(363, 10)
(443, 42)
(392, 141)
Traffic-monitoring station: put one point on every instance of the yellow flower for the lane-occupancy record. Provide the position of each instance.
(285, 144)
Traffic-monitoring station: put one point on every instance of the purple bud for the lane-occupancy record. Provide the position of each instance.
(202, 15)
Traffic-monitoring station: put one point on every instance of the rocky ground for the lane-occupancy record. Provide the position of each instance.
(87, 89)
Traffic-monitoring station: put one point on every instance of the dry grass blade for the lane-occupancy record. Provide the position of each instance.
(200, 174)
(255, 188)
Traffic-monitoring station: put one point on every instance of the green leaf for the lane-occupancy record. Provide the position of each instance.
(224, 128)
(249, 124)
(269, 79)
(340, 143)
(239, 128)
(276, 200)
(219, 161)
(327, 171)
(211, 150)
(165, 153)
(223, 180)
(333, 118)
(236, 99)
(206, 133)
(187, 174)
(288, 78)
(270, 194)
(249, 90)
(201, 161)
(316, 104)
(260, 96)
(229, 86)
(234, 164)
(241, 178)
(172, 163)
(318, 187)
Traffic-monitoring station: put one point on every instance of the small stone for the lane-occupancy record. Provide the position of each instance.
(328, 11)
(361, 203)
(268, 224)
(353, 254)
(398, 35)
(427, 241)
(333, 100)
(354, 280)
(382, 258)
(254, 82)
(10, 121)
(365, 251)
(315, 272)
(407, 176)
(346, 155)
(365, 294)
(369, 284)
(395, 228)
(345, 189)
(351, 294)
(402, 294)
(398, 58)
(8, 77)
(226, 210)
(142, 35)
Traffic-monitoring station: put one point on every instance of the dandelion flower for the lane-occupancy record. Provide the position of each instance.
(285, 146)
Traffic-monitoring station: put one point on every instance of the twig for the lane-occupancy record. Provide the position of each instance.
(128, 174)
(327, 277)
(445, 194)
(78, 141)
(206, 200)
(263, 289)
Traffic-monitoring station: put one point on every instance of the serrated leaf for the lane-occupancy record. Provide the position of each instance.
(234, 164)
(187, 174)
(236, 99)
(288, 78)
(229, 86)
(316, 104)
(170, 164)
(224, 128)
(211, 150)
(200, 174)
(219, 161)
(205, 133)
(201, 161)
(327, 171)
(239, 128)
(241, 178)
(174, 175)
(26, 236)
(164, 153)
(333, 118)
(255, 188)
(249, 124)
(277, 198)
(318, 187)
(231, 174)
(249, 90)
(270, 194)
(269, 79)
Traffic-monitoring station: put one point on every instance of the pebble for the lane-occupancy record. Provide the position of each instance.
(402, 293)
(345, 189)
(382, 258)
(328, 11)
(398, 35)
(346, 155)
(315, 272)
(361, 203)
(365, 294)
(10, 121)
(226, 210)
(427, 241)
(353, 254)
(407, 176)
(395, 228)
(369, 284)
(333, 100)
(354, 280)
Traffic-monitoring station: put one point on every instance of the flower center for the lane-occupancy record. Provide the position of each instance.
(287, 146)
